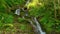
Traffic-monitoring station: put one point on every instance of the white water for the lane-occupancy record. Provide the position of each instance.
(38, 26)
(17, 12)
(34, 26)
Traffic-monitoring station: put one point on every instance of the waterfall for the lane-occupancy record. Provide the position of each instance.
(38, 26)
(34, 26)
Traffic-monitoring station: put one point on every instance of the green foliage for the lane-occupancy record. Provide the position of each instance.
(5, 18)
(7, 5)
(36, 11)
(21, 20)
(8, 19)
(14, 2)
(23, 27)
(46, 12)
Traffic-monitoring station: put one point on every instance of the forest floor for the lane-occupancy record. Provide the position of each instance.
(19, 28)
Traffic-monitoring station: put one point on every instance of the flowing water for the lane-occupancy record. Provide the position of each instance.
(17, 12)
(37, 26)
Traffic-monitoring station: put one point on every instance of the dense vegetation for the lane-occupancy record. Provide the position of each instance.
(46, 11)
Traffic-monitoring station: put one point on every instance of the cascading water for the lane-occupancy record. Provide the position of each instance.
(37, 26)
(34, 26)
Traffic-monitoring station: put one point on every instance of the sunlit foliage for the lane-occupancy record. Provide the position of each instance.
(47, 12)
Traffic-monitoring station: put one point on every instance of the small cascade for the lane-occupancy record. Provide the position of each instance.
(38, 26)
